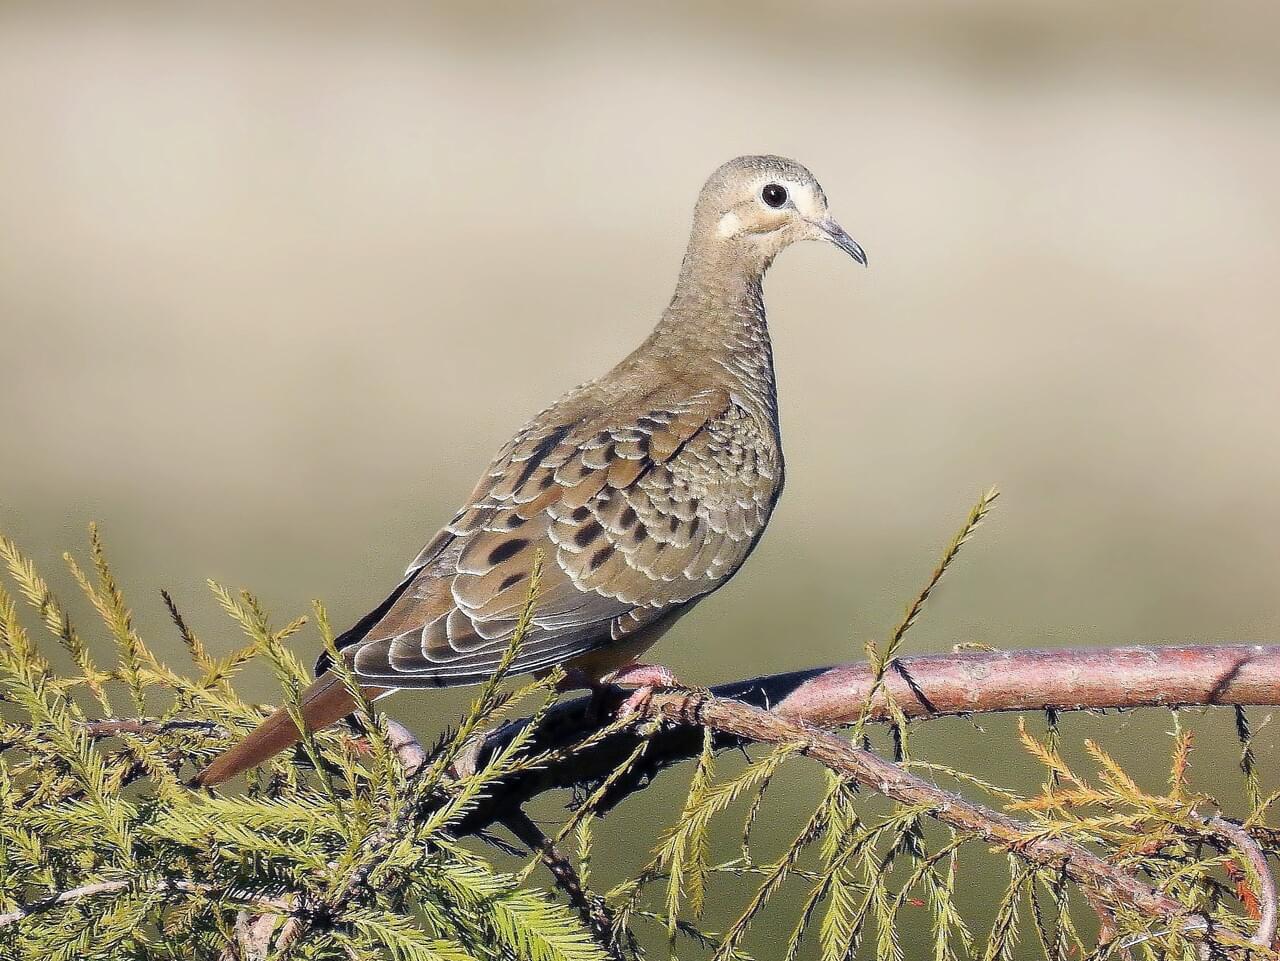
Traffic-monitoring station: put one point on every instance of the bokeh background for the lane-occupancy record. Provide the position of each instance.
(275, 283)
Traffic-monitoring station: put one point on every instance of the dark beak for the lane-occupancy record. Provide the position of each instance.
(833, 232)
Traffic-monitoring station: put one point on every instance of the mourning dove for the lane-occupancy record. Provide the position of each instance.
(645, 490)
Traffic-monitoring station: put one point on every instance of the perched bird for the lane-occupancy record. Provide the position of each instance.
(645, 489)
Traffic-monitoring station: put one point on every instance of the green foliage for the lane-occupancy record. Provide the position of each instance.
(338, 851)
(104, 853)
(860, 873)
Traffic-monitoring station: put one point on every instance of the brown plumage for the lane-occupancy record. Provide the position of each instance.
(645, 489)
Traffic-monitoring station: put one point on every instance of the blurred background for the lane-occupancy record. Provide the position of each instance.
(253, 264)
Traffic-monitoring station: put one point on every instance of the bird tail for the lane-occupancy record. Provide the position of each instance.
(325, 701)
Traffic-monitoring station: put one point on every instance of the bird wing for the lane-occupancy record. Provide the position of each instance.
(634, 515)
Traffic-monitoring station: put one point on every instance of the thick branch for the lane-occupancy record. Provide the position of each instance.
(934, 685)
(795, 707)
(1070, 679)
(925, 686)
(972, 682)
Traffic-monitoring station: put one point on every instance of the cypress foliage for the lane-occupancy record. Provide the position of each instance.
(105, 853)
(338, 851)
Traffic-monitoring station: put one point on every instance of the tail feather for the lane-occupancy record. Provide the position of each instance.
(325, 701)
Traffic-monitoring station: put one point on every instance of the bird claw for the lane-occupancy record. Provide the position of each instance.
(637, 702)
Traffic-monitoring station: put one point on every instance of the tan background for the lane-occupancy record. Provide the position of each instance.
(273, 287)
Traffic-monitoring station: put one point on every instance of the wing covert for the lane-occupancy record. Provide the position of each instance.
(635, 516)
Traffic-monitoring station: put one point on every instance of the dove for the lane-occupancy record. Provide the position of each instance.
(644, 491)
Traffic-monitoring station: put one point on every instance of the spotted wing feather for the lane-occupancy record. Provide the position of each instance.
(635, 517)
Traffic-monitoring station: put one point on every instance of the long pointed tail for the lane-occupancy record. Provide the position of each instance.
(324, 702)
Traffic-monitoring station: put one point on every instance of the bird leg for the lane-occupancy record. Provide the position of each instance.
(576, 679)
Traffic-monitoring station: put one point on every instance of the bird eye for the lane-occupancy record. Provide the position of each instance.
(775, 195)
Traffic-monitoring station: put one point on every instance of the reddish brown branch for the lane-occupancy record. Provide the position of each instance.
(795, 707)
(975, 682)
(925, 686)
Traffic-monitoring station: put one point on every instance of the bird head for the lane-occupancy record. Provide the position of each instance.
(759, 205)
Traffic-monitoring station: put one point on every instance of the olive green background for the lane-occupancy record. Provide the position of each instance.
(275, 283)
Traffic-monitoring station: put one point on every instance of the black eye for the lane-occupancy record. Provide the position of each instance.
(775, 195)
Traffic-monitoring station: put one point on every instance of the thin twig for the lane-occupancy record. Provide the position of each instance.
(890, 780)
(64, 897)
(1256, 862)
(110, 887)
(114, 726)
(590, 906)
(976, 516)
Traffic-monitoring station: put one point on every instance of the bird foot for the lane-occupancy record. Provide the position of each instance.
(647, 678)
(406, 747)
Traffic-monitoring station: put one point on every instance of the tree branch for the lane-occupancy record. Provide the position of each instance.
(1067, 679)
(870, 770)
(886, 778)
(1256, 862)
(925, 686)
(795, 707)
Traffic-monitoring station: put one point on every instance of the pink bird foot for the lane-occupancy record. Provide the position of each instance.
(646, 678)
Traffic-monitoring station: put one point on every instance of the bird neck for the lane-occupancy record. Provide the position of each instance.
(716, 318)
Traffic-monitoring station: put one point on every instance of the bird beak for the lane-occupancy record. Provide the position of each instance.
(828, 229)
